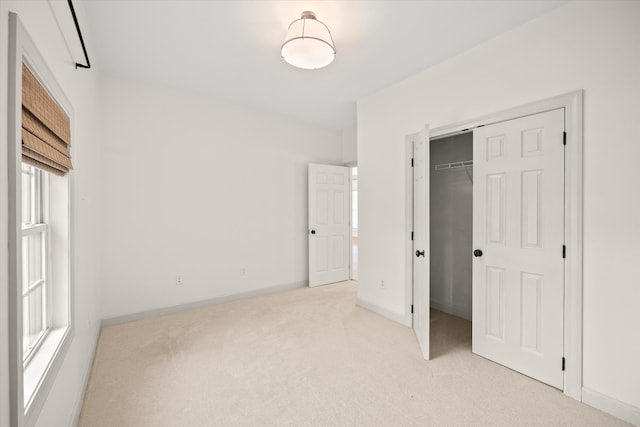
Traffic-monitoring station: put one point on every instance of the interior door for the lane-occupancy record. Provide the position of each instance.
(421, 286)
(329, 229)
(518, 237)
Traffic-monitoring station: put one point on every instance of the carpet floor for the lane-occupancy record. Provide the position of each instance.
(309, 357)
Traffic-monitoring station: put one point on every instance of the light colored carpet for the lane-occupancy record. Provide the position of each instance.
(309, 357)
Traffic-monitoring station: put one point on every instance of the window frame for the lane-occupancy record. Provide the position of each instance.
(30, 384)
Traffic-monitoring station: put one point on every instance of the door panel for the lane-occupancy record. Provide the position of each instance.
(495, 303)
(329, 229)
(421, 286)
(518, 281)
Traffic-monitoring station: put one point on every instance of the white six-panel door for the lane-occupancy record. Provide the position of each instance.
(421, 249)
(329, 229)
(518, 225)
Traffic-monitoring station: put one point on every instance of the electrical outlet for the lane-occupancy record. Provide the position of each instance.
(382, 283)
(243, 271)
(179, 280)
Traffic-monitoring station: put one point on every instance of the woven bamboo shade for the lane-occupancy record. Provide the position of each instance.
(46, 129)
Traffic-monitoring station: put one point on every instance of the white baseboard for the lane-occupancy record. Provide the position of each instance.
(77, 409)
(116, 320)
(404, 320)
(453, 309)
(624, 411)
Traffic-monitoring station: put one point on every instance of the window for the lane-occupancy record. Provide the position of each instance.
(44, 282)
(35, 260)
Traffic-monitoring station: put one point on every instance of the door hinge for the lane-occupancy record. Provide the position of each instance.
(411, 308)
(564, 138)
(564, 251)
(412, 235)
(412, 162)
(563, 363)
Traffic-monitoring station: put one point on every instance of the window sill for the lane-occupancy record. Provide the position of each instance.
(40, 371)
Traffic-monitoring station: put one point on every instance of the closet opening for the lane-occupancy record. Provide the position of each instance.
(451, 220)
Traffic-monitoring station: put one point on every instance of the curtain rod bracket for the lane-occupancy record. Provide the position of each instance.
(84, 49)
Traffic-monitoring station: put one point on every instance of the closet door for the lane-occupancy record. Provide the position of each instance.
(421, 286)
(518, 237)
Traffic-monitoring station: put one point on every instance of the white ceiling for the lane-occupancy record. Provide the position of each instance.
(231, 49)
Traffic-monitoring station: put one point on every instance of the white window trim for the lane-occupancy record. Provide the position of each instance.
(36, 379)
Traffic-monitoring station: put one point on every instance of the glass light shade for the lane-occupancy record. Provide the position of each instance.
(308, 43)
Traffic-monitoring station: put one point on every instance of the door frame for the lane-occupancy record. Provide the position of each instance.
(572, 102)
(353, 164)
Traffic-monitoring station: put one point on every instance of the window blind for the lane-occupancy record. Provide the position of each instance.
(46, 129)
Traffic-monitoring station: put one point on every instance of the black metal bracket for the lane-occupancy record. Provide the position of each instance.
(84, 49)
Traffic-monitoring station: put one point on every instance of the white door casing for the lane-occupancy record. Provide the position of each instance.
(329, 224)
(421, 256)
(518, 224)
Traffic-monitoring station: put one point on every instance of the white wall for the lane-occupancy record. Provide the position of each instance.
(451, 221)
(202, 189)
(349, 145)
(80, 88)
(584, 45)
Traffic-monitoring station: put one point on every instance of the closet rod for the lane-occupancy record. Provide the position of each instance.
(84, 49)
(454, 165)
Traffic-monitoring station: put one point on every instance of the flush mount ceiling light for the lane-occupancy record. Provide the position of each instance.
(308, 43)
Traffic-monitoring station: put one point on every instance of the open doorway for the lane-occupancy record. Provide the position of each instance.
(451, 239)
(354, 223)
